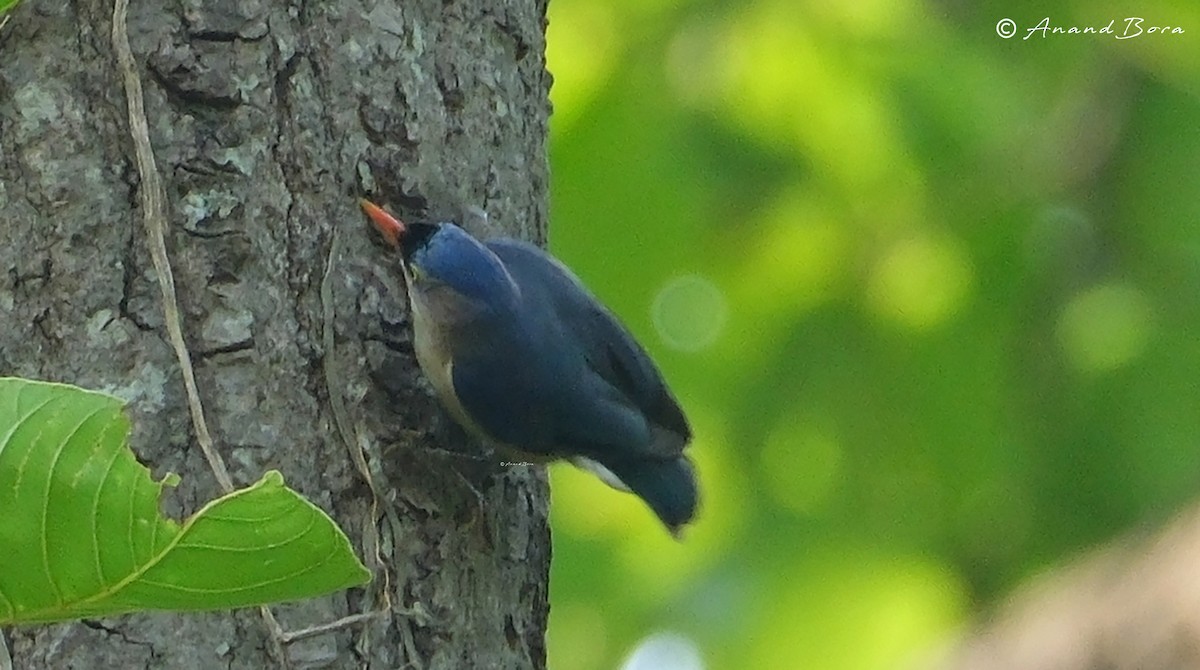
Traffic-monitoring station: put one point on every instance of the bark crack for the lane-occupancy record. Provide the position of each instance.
(117, 632)
(43, 274)
(128, 276)
(232, 348)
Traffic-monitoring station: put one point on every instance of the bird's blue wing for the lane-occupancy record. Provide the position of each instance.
(537, 394)
(621, 372)
(500, 392)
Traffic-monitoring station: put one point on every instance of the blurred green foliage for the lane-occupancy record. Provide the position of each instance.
(930, 297)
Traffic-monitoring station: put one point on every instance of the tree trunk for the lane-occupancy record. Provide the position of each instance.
(1130, 606)
(266, 121)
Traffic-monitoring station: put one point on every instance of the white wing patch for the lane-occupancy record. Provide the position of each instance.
(600, 471)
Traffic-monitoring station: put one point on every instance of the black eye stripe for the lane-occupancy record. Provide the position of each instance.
(416, 236)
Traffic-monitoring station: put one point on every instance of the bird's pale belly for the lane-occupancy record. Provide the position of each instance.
(436, 362)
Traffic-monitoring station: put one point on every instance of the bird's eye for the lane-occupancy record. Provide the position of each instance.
(417, 238)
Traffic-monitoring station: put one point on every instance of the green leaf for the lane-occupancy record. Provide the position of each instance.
(81, 534)
(6, 5)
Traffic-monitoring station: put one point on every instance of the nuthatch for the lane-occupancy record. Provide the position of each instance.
(522, 355)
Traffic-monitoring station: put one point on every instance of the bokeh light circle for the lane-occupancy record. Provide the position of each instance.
(665, 651)
(1105, 327)
(689, 312)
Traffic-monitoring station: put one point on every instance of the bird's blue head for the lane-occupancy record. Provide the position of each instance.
(439, 256)
(445, 254)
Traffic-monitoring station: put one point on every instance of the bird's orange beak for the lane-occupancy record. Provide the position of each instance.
(389, 226)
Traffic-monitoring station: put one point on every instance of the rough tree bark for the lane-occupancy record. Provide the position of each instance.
(267, 120)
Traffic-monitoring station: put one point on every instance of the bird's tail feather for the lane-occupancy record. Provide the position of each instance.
(667, 486)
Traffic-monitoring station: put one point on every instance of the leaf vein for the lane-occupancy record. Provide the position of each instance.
(51, 473)
(20, 469)
(108, 469)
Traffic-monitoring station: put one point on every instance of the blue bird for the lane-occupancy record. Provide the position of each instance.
(522, 355)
